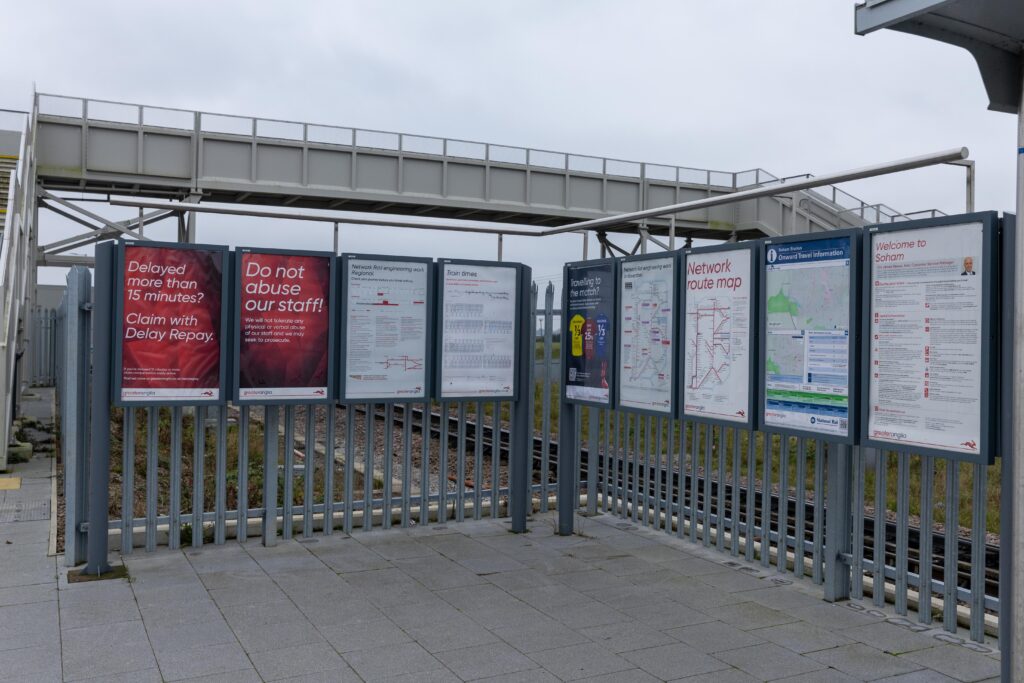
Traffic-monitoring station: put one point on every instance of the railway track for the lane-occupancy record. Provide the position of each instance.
(672, 479)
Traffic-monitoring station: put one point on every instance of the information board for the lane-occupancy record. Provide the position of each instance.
(717, 329)
(807, 308)
(284, 326)
(647, 329)
(478, 324)
(928, 327)
(171, 323)
(387, 325)
(588, 343)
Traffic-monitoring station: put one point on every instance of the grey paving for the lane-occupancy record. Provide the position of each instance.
(461, 602)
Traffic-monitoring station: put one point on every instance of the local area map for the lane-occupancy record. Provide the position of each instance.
(802, 300)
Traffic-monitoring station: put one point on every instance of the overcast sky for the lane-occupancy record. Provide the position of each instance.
(785, 86)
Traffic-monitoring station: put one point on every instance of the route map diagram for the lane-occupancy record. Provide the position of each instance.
(647, 342)
(709, 346)
(407, 363)
(649, 350)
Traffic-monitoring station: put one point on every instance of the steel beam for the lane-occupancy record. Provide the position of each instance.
(49, 196)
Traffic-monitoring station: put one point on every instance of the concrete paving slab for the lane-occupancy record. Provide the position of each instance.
(296, 661)
(674, 661)
(769, 661)
(801, 637)
(386, 663)
(715, 636)
(581, 661)
(363, 635)
(890, 638)
(627, 635)
(485, 661)
(177, 665)
(106, 650)
(39, 662)
(956, 662)
(860, 661)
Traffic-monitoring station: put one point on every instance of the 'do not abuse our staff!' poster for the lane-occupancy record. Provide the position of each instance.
(284, 325)
(478, 330)
(647, 304)
(171, 323)
(387, 328)
(717, 355)
(926, 334)
(589, 340)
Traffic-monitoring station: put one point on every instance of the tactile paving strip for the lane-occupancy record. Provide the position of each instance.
(24, 511)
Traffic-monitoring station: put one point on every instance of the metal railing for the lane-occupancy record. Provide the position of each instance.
(189, 476)
(43, 341)
(16, 273)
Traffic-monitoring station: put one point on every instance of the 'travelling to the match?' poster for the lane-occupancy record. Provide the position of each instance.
(284, 326)
(171, 324)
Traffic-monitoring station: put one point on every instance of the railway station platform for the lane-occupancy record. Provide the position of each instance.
(456, 602)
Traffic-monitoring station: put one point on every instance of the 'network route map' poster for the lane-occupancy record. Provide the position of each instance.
(590, 308)
(386, 329)
(807, 345)
(646, 339)
(716, 364)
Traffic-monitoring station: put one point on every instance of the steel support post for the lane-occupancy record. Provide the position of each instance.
(568, 463)
(1007, 552)
(838, 524)
(270, 430)
(74, 413)
(520, 493)
(1016, 607)
(99, 461)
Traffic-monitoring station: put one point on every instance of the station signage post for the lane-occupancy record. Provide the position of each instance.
(647, 323)
(284, 326)
(171, 323)
(809, 298)
(388, 328)
(927, 359)
(588, 343)
(719, 289)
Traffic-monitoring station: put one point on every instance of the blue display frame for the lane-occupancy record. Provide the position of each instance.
(854, 235)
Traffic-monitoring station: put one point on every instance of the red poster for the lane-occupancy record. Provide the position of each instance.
(171, 324)
(284, 326)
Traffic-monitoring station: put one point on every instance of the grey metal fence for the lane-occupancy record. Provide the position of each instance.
(189, 476)
(43, 355)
